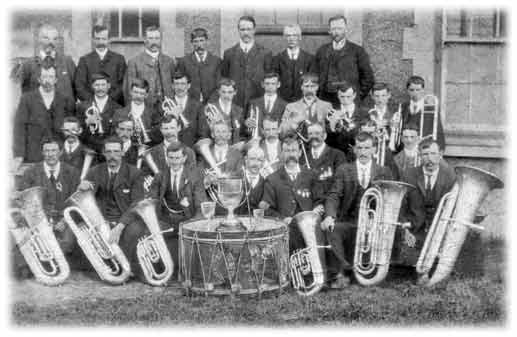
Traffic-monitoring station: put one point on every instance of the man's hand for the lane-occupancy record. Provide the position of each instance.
(116, 232)
(250, 123)
(85, 185)
(328, 224)
(60, 225)
(184, 202)
(287, 220)
(409, 238)
(319, 209)
(148, 181)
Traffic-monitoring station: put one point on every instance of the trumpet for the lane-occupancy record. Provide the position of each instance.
(169, 107)
(139, 124)
(213, 114)
(430, 107)
(255, 130)
(396, 129)
(93, 116)
(381, 134)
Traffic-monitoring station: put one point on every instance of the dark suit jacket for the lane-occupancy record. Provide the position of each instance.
(191, 187)
(113, 64)
(276, 111)
(76, 158)
(131, 155)
(403, 164)
(407, 118)
(193, 110)
(96, 141)
(342, 196)
(329, 161)
(285, 196)
(255, 196)
(235, 120)
(144, 66)
(413, 207)
(150, 117)
(290, 85)
(353, 66)
(65, 70)
(33, 122)
(204, 76)
(127, 188)
(158, 155)
(68, 178)
(246, 70)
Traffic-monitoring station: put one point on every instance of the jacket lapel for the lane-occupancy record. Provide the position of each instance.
(420, 181)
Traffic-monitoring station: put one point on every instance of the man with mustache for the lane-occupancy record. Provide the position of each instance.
(100, 60)
(124, 130)
(73, 150)
(153, 66)
(59, 181)
(246, 63)
(254, 182)
(271, 144)
(203, 67)
(40, 114)
(47, 53)
(342, 206)
(342, 60)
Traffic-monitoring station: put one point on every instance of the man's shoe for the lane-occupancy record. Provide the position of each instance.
(341, 282)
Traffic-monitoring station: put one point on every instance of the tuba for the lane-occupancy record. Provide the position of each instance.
(153, 255)
(36, 239)
(309, 261)
(376, 226)
(92, 232)
(452, 220)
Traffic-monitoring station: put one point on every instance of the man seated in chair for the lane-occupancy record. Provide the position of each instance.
(254, 182)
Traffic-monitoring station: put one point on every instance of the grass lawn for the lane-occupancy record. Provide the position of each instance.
(473, 296)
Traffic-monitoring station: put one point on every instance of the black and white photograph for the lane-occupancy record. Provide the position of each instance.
(242, 165)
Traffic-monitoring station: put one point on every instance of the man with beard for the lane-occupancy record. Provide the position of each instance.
(40, 114)
(291, 190)
(342, 60)
(346, 121)
(145, 117)
(246, 63)
(342, 206)
(48, 38)
(292, 63)
(307, 110)
(124, 130)
(59, 181)
(117, 185)
(201, 66)
(271, 144)
(185, 108)
(73, 150)
(254, 182)
(154, 67)
(432, 179)
(223, 109)
(98, 127)
(323, 159)
(100, 60)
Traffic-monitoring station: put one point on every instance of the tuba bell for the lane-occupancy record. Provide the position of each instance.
(452, 220)
(309, 261)
(376, 226)
(36, 239)
(153, 255)
(92, 232)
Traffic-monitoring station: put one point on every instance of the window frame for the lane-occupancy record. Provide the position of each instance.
(120, 37)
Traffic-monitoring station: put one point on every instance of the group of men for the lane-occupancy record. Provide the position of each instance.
(294, 126)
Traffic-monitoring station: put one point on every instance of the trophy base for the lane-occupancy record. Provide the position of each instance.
(231, 225)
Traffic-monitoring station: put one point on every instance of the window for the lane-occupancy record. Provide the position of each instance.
(477, 26)
(130, 23)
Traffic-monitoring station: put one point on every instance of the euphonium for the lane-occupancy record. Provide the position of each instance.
(153, 255)
(309, 261)
(93, 114)
(92, 232)
(168, 106)
(452, 220)
(88, 158)
(36, 239)
(430, 107)
(376, 226)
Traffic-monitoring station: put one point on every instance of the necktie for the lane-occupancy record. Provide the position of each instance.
(174, 185)
(52, 178)
(428, 183)
(363, 178)
(268, 105)
(111, 181)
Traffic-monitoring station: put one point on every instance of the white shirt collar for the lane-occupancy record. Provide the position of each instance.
(71, 147)
(126, 145)
(101, 102)
(419, 105)
(380, 112)
(181, 100)
(154, 55)
(101, 54)
(309, 102)
(222, 150)
(177, 173)
(293, 53)
(113, 171)
(202, 57)
(137, 110)
(48, 97)
(349, 109)
(411, 153)
(338, 45)
(56, 169)
(318, 150)
(295, 171)
(42, 54)
(246, 46)
(272, 149)
(361, 167)
(226, 108)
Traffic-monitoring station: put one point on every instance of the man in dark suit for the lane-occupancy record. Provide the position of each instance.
(271, 144)
(291, 64)
(412, 110)
(48, 37)
(59, 181)
(117, 185)
(342, 205)
(224, 109)
(100, 60)
(345, 121)
(185, 107)
(154, 67)
(124, 130)
(246, 63)
(97, 127)
(203, 67)
(40, 114)
(74, 151)
(268, 106)
(342, 60)
(146, 118)
(323, 159)
(432, 179)
(408, 157)
(254, 182)
(290, 190)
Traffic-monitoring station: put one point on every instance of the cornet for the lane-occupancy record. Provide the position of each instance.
(381, 134)
(139, 124)
(213, 114)
(93, 115)
(169, 107)
(332, 117)
(255, 130)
